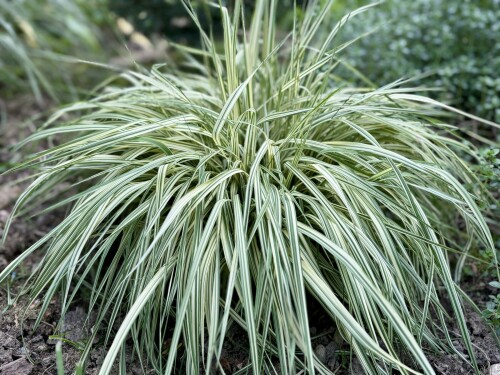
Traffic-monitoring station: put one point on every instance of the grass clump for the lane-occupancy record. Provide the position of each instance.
(248, 187)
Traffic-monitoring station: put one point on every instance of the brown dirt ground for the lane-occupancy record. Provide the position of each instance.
(23, 349)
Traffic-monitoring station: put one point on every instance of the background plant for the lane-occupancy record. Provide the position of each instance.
(160, 16)
(457, 41)
(40, 42)
(492, 311)
(237, 191)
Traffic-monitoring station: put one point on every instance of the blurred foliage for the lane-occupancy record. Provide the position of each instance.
(492, 311)
(169, 17)
(485, 164)
(489, 169)
(166, 17)
(458, 41)
(39, 39)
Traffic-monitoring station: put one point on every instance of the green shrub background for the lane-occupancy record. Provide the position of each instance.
(457, 41)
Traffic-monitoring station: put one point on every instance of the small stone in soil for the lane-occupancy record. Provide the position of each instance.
(21, 352)
(321, 353)
(19, 367)
(37, 338)
(73, 328)
(48, 360)
(495, 369)
(5, 356)
(3, 262)
(4, 216)
(8, 342)
(330, 351)
(332, 364)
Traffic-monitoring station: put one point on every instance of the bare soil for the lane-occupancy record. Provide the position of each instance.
(24, 348)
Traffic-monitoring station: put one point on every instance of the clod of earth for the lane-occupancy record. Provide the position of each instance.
(18, 367)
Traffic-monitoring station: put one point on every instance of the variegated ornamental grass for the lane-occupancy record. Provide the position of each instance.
(248, 190)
